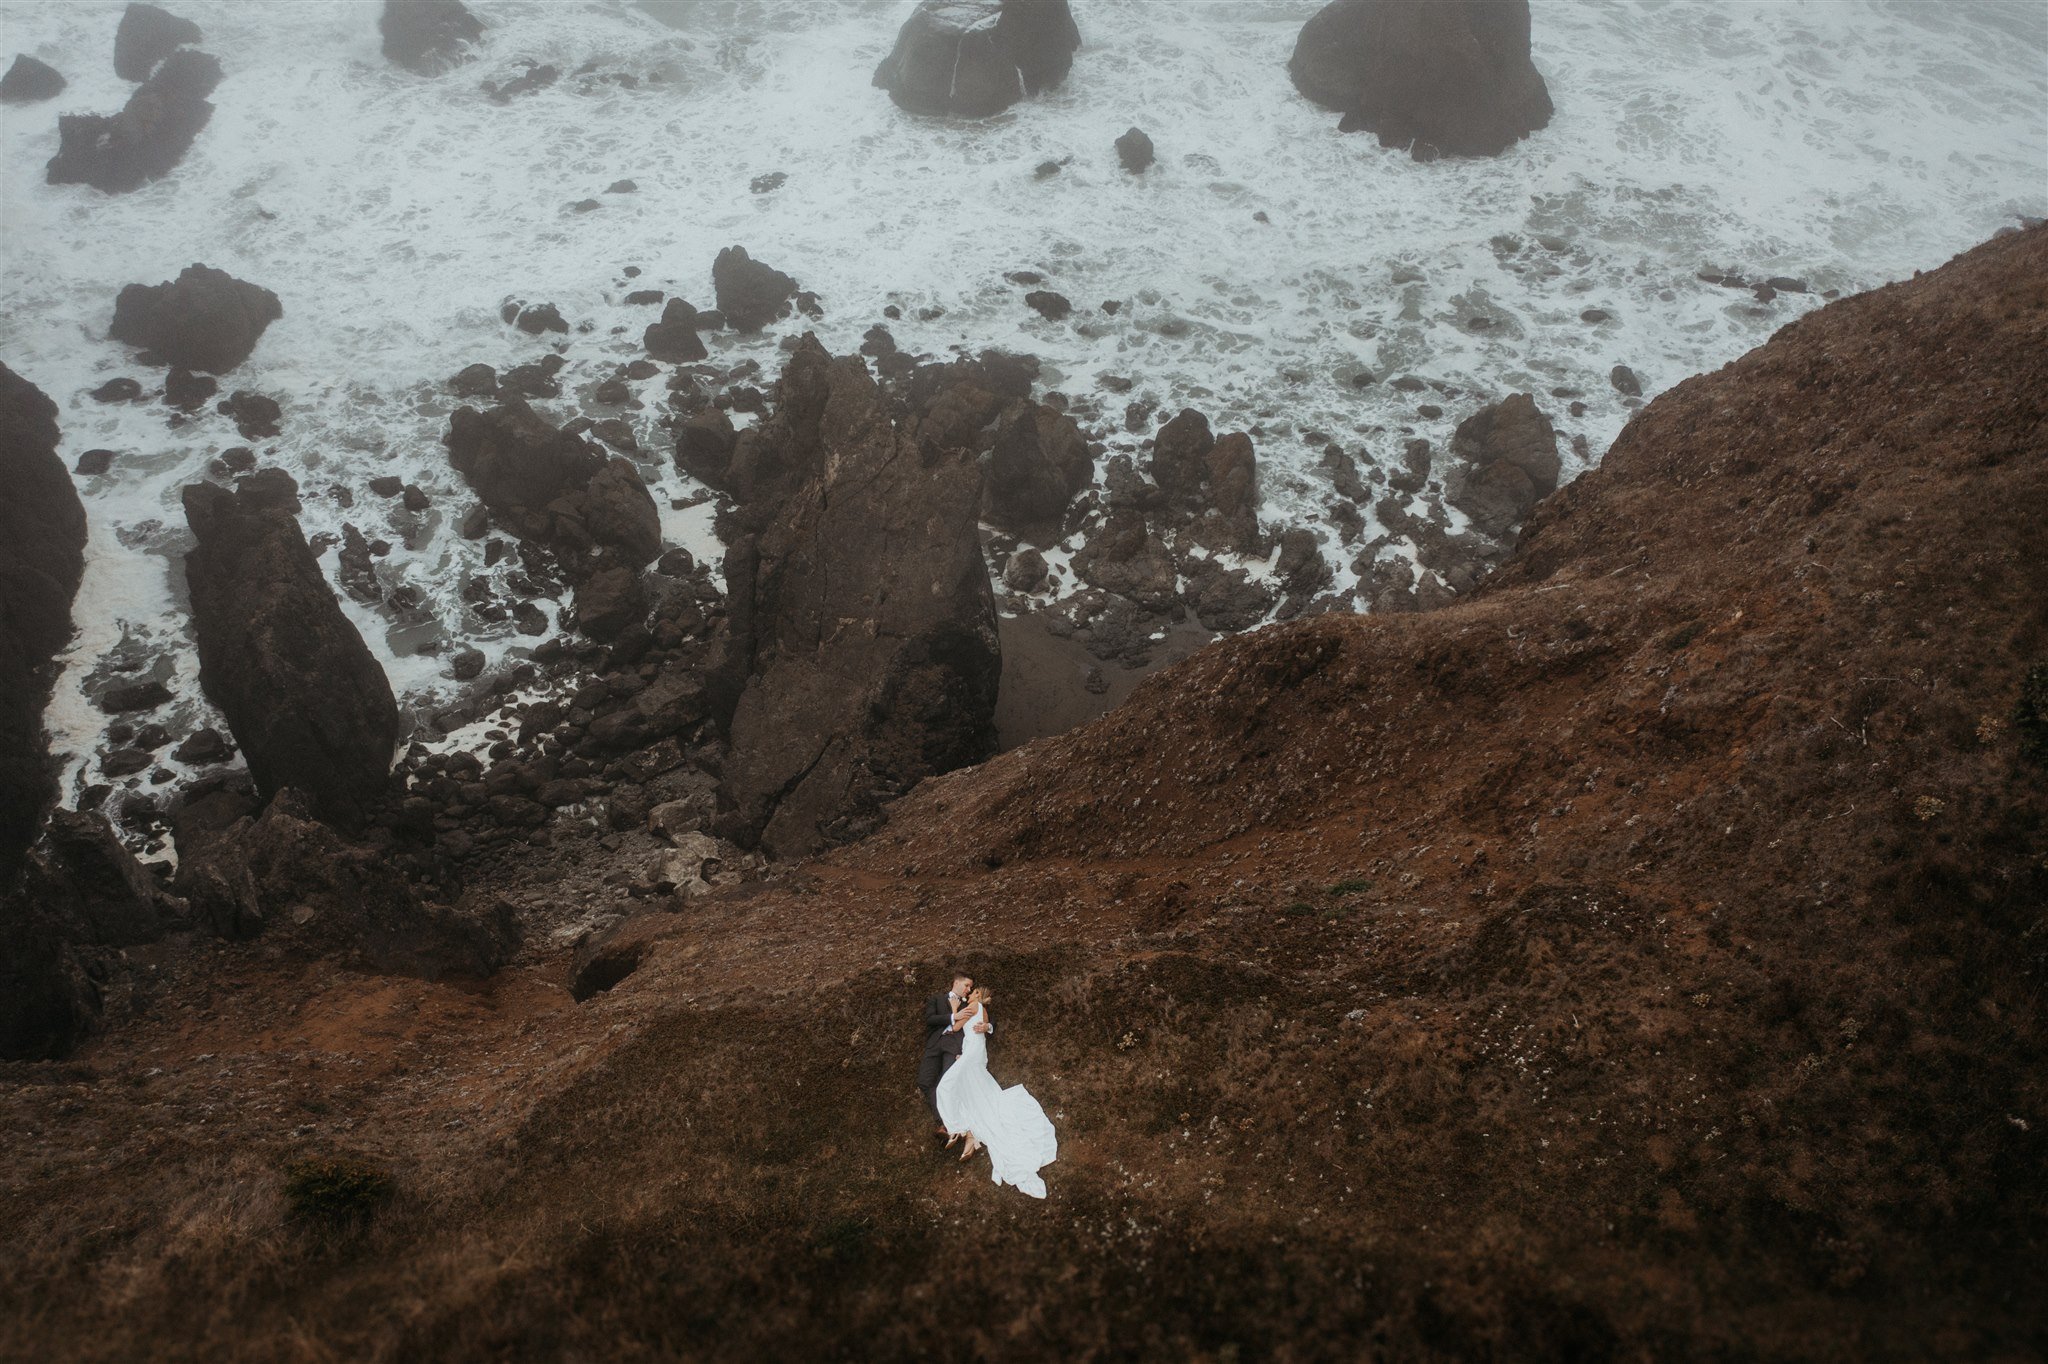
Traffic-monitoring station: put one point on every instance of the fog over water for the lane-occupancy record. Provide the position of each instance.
(1846, 144)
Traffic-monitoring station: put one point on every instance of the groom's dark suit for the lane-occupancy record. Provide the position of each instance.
(941, 1048)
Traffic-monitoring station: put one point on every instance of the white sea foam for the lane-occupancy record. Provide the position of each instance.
(1844, 143)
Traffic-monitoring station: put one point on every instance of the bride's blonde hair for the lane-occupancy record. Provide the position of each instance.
(981, 995)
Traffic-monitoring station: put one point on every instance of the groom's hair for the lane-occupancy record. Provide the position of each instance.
(959, 976)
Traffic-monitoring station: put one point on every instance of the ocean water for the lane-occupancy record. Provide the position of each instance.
(1845, 142)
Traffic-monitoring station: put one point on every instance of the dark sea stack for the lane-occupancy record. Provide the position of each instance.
(428, 36)
(1449, 77)
(863, 623)
(42, 557)
(148, 35)
(1506, 463)
(974, 58)
(29, 81)
(302, 693)
(116, 153)
(206, 319)
(750, 294)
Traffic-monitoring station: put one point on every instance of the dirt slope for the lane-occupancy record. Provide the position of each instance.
(1640, 960)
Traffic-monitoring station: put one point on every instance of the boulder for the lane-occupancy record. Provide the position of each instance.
(42, 557)
(973, 58)
(1049, 305)
(254, 415)
(1134, 150)
(1507, 462)
(608, 601)
(206, 319)
(863, 653)
(1026, 571)
(428, 36)
(1437, 76)
(29, 81)
(115, 153)
(1180, 455)
(305, 699)
(704, 446)
(675, 338)
(92, 885)
(146, 36)
(750, 294)
(310, 893)
(1039, 462)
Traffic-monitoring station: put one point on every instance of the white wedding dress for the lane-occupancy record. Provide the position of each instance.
(1009, 1122)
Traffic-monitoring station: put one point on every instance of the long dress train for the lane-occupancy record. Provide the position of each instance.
(1009, 1122)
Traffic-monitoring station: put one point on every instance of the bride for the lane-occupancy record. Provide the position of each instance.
(1008, 1123)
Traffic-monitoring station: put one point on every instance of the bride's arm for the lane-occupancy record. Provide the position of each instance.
(984, 1025)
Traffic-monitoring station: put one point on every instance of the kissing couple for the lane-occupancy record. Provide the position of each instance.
(967, 1102)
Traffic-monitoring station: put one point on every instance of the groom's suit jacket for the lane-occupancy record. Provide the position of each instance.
(938, 1016)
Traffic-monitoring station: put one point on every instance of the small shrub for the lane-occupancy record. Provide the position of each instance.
(335, 1190)
(1351, 886)
(1299, 907)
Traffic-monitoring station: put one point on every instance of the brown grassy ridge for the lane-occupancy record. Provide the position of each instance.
(1640, 960)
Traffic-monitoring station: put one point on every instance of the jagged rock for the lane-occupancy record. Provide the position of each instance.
(539, 319)
(675, 338)
(1226, 600)
(863, 653)
(93, 885)
(475, 381)
(1040, 460)
(750, 294)
(1437, 76)
(554, 487)
(1125, 557)
(42, 557)
(126, 697)
(29, 81)
(1625, 382)
(973, 58)
(1415, 463)
(608, 601)
(146, 36)
(1048, 305)
(309, 892)
(1134, 150)
(1508, 462)
(123, 390)
(305, 699)
(116, 153)
(1180, 455)
(1026, 571)
(428, 36)
(205, 747)
(254, 415)
(206, 319)
(186, 391)
(93, 463)
(536, 79)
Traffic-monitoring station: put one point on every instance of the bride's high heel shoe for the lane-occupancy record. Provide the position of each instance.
(972, 1146)
(952, 1139)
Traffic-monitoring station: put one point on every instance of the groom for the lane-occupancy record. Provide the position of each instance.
(942, 1039)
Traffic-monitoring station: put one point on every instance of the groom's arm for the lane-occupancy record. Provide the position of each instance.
(937, 1017)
